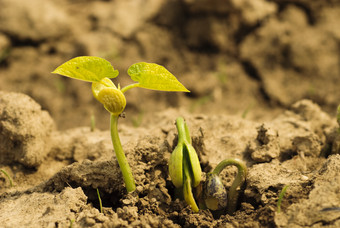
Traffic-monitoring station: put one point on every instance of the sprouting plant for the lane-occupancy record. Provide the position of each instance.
(8, 177)
(137, 120)
(338, 117)
(99, 71)
(71, 222)
(200, 102)
(215, 196)
(279, 201)
(93, 122)
(184, 166)
(246, 110)
(100, 202)
(185, 172)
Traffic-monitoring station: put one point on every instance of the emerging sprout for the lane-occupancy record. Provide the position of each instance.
(184, 166)
(8, 177)
(282, 193)
(185, 172)
(99, 71)
(214, 193)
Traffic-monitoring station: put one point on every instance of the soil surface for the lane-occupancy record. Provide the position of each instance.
(263, 77)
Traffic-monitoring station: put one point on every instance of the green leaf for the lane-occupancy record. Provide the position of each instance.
(154, 76)
(195, 164)
(176, 166)
(87, 68)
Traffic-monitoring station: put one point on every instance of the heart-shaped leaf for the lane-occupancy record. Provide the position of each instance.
(154, 76)
(87, 68)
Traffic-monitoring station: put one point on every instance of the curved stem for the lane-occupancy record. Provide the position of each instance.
(126, 88)
(122, 161)
(238, 181)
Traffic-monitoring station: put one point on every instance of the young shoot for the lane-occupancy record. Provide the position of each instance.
(279, 201)
(100, 201)
(8, 177)
(338, 117)
(214, 193)
(98, 71)
(184, 166)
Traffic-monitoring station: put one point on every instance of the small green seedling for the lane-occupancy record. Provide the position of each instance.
(99, 71)
(282, 194)
(93, 122)
(214, 193)
(100, 201)
(71, 222)
(338, 117)
(184, 166)
(8, 177)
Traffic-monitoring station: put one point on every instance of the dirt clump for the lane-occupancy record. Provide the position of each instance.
(25, 130)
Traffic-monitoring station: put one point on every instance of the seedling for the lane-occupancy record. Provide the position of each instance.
(185, 172)
(8, 177)
(93, 122)
(214, 193)
(282, 193)
(71, 222)
(99, 71)
(184, 166)
(100, 202)
(338, 117)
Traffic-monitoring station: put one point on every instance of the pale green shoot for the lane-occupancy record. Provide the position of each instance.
(282, 193)
(100, 202)
(184, 166)
(8, 177)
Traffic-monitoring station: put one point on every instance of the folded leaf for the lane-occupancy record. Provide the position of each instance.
(87, 68)
(194, 162)
(176, 166)
(154, 76)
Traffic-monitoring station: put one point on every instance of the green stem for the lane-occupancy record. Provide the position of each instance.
(9, 178)
(183, 131)
(100, 202)
(122, 161)
(282, 193)
(187, 190)
(238, 181)
(126, 88)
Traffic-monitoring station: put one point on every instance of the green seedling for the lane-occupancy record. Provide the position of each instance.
(8, 177)
(93, 122)
(282, 194)
(199, 102)
(184, 166)
(100, 202)
(215, 196)
(137, 120)
(338, 117)
(99, 71)
(246, 110)
(71, 222)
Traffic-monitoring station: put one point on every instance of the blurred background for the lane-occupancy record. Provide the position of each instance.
(251, 58)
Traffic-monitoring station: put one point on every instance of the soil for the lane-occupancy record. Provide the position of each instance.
(263, 77)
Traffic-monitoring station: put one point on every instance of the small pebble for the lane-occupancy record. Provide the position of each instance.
(304, 178)
(139, 188)
(126, 201)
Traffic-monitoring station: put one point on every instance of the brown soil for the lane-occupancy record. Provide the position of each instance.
(264, 79)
